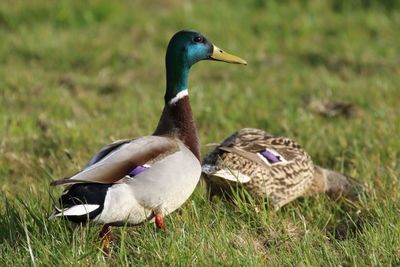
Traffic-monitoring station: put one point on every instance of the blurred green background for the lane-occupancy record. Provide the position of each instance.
(76, 75)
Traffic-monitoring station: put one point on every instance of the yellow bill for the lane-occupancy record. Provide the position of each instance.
(220, 55)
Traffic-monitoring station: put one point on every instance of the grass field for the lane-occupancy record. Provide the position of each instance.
(76, 75)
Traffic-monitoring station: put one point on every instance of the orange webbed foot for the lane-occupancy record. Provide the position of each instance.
(105, 235)
(159, 221)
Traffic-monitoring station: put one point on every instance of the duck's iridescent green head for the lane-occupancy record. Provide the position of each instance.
(185, 49)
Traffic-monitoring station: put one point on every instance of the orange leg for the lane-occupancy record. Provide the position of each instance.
(159, 221)
(106, 236)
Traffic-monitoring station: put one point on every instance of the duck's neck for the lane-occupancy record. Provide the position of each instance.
(177, 120)
(177, 117)
(177, 77)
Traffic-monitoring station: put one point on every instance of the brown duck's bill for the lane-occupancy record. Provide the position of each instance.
(220, 55)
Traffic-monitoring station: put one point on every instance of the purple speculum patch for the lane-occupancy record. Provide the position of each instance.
(271, 157)
(137, 170)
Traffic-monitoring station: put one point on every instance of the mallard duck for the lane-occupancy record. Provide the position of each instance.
(272, 168)
(132, 181)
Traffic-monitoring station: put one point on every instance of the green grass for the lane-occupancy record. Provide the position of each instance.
(76, 75)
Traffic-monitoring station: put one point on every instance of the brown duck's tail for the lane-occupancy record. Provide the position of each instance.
(336, 185)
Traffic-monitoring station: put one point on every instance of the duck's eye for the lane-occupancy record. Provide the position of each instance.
(198, 39)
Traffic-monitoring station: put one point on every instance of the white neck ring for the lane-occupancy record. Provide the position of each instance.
(178, 96)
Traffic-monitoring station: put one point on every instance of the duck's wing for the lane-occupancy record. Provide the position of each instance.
(255, 146)
(243, 153)
(104, 151)
(115, 161)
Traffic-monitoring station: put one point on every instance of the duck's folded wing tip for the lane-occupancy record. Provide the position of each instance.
(58, 182)
(65, 181)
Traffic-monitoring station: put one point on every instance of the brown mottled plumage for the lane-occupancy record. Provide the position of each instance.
(238, 160)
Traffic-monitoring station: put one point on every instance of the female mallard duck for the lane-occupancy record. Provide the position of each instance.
(137, 180)
(275, 168)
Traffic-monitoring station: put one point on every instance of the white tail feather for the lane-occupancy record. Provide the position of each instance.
(77, 210)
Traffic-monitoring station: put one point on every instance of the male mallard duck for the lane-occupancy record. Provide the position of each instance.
(275, 168)
(137, 180)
